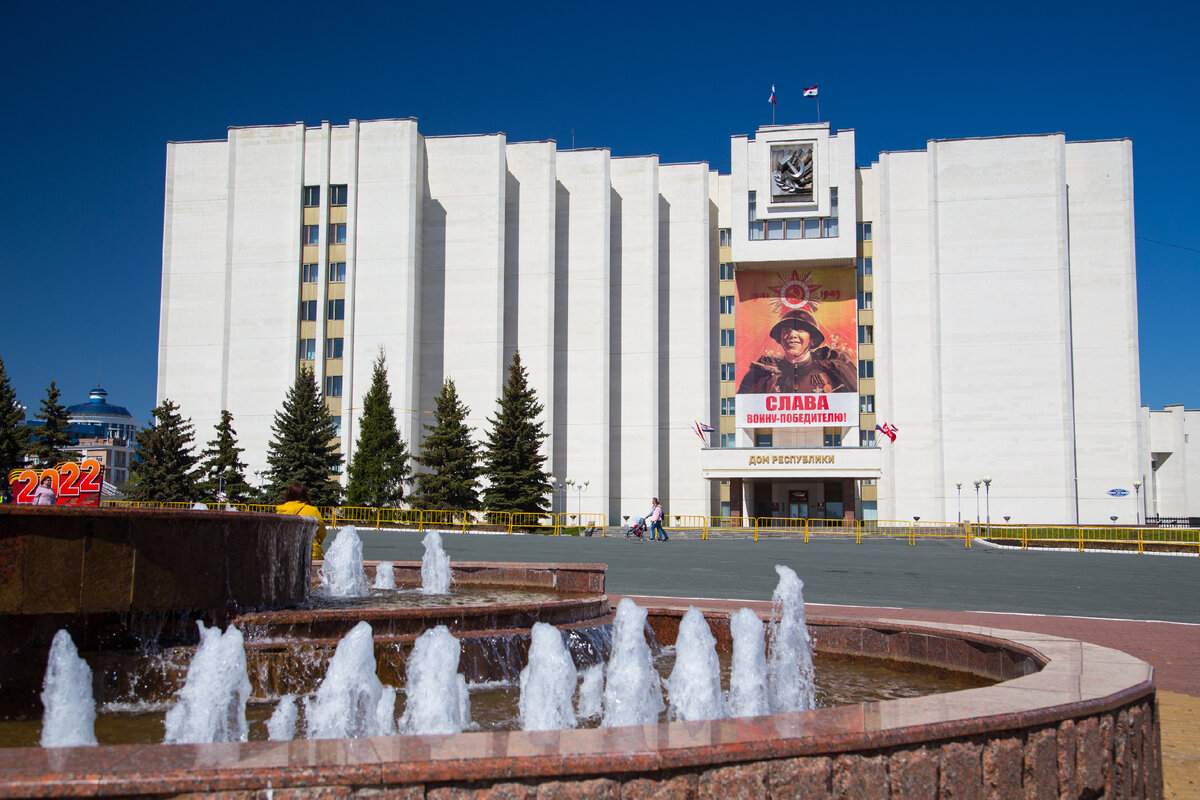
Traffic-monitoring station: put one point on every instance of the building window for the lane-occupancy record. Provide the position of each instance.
(830, 228)
(728, 440)
(775, 229)
(866, 403)
(864, 231)
(865, 301)
(333, 386)
(864, 267)
(725, 271)
(308, 310)
(337, 309)
(312, 196)
(333, 347)
(866, 334)
(833, 202)
(337, 233)
(308, 349)
(726, 304)
(866, 369)
(866, 439)
(308, 272)
(833, 439)
(812, 229)
(311, 234)
(725, 237)
(764, 440)
(337, 426)
(794, 229)
(726, 337)
(727, 371)
(337, 195)
(727, 406)
(337, 271)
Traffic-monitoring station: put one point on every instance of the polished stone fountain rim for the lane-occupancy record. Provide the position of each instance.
(1077, 680)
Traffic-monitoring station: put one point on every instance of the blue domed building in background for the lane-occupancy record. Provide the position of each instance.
(106, 433)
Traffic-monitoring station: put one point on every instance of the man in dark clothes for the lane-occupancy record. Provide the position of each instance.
(805, 366)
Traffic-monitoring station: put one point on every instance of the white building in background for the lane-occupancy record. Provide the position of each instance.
(987, 304)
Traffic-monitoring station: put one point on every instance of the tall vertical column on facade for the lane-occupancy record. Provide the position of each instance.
(382, 164)
(316, 173)
(634, 241)
(687, 287)
(529, 314)
(462, 273)
(582, 324)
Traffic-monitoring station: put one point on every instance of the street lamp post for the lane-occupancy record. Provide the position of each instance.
(1137, 501)
(987, 498)
(578, 486)
(958, 486)
(977, 482)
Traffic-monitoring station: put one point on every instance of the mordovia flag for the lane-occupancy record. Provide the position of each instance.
(888, 430)
(809, 91)
(771, 100)
(702, 431)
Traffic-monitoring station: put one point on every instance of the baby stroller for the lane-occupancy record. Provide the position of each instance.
(638, 529)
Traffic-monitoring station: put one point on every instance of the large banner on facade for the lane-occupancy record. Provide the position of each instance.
(796, 348)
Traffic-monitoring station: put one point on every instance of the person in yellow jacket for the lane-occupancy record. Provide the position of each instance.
(296, 502)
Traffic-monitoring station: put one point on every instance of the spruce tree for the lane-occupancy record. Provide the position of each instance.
(165, 468)
(379, 468)
(513, 459)
(302, 448)
(14, 437)
(450, 457)
(50, 441)
(220, 468)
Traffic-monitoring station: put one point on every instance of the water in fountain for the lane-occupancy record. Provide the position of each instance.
(342, 573)
(632, 691)
(789, 657)
(694, 686)
(385, 576)
(198, 506)
(212, 703)
(547, 683)
(436, 698)
(281, 727)
(350, 700)
(70, 715)
(591, 692)
(747, 695)
(435, 566)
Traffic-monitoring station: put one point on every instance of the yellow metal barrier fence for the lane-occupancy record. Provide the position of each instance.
(1080, 537)
(580, 524)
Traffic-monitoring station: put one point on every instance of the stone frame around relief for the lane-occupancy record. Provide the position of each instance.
(792, 169)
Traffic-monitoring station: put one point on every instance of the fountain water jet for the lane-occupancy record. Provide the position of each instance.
(547, 683)
(747, 695)
(591, 693)
(70, 715)
(212, 703)
(694, 687)
(632, 690)
(435, 566)
(347, 703)
(385, 576)
(342, 573)
(789, 657)
(436, 694)
(281, 727)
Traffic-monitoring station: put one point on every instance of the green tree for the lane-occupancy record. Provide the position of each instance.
(220, 468)
(379, 468)
(165, 468)
(303, 448)
(450, 458)
(50, 440)
(14, 437)
(513, 461)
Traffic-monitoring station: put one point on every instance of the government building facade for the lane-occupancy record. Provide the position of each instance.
(865, 342)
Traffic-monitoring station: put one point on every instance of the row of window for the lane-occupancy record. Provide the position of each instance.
(312, 233)
(336, 310)
(333, 348)
(797, 228)
(337, 196)
(337, 272)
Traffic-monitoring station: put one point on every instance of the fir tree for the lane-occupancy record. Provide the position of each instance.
(302, 448)
(450, 457)
(50, 441)
(165, 468)
(379, 468)
(513, 459)
(220, 467)
(14, 437)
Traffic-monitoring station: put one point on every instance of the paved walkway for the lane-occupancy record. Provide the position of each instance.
(1145, 605)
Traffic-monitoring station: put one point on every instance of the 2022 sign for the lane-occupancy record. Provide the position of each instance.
(73, 484)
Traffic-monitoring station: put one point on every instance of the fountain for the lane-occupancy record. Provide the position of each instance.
(1060, 700)
(212, 703)
(67, 697)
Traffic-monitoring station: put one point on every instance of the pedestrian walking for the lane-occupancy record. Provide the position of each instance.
(655, 521)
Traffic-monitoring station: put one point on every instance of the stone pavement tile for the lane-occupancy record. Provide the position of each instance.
(1179, 718)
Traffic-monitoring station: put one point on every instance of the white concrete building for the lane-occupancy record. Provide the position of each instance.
(987, 302)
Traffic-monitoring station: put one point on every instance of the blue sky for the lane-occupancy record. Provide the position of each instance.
(92, 93)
